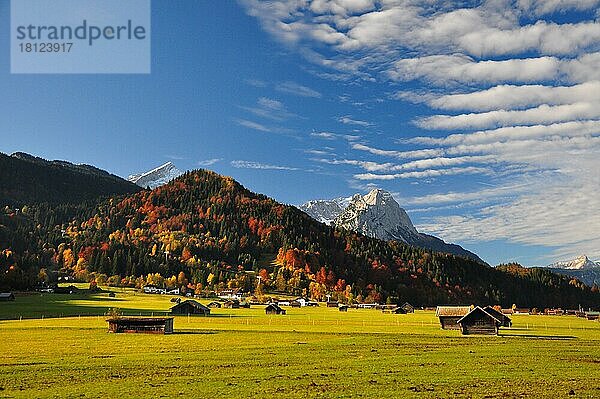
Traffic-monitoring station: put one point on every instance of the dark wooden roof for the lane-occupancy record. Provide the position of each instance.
(452, 311)
(498, 315)
(477, 312)
(191, 302)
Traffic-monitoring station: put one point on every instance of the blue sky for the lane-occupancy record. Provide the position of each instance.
(482, 117)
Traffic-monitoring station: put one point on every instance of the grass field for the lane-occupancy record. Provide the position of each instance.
(311, 352)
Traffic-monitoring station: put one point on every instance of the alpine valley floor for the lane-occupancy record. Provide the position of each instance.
(308, 353)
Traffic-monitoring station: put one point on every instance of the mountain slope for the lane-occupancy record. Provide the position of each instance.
(581, 268)
(25, 179)
(156, 177)
(378, 215)
(209, 231)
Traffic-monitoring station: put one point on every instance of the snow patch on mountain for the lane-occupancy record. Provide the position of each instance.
(157, 176)
(579, 263)
(325, 211)
(377, 215)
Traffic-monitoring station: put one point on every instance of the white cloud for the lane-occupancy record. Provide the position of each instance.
(544, 114)
(297, 89)
(424, 173)
(254, 125)
(416, 154)
(448, 69)
(514, 133)
(543, 7)
(347, 120)
(270, 109)
(258, 165)
(514, 97)
(209, 162)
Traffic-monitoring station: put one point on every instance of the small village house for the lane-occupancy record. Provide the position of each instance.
(144, 325)
(332, 304)
(449, 316)
(479, 321)
(190, 307)
(343, 308)
(273, 308)
(214, 305)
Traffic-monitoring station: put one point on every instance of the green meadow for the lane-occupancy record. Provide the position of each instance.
(308, 353)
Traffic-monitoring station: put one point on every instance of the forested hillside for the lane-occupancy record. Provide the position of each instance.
(204, 231)
(25, 179)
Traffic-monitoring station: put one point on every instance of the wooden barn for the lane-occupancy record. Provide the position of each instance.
(408, 308)
(145, 325)
(190, 307)
(7, 296)
(273, 308)
(506, 321)
(398, 310)
(332, 304)
(214, 305)
(343, 308)
(232, 304)
(479, 321)
(449, 316)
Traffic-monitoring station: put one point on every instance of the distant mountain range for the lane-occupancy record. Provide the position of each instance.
(26, 179)
(582, 268)
(210, 231)
(156, 177)
(378, 215)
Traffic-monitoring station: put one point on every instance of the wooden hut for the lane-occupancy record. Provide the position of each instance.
(232, 304)
(7, 296)
(449, 316)
(398, 310)
(273, 308)
(145, 325)
(295, 304)
(332, 304)
(214, 305)
(408, 308)
(190, 307)
(343, 308)
(506, 321)
(479, 321)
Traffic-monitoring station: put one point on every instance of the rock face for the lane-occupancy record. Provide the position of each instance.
(156, 177)
(325, 211)
(378, 215)
(582, 268)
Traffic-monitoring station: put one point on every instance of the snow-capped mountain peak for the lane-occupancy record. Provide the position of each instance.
(377, 214)
(579, 263)
(157, 176)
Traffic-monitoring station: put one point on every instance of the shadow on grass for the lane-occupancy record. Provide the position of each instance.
(534, 336)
